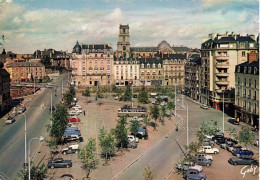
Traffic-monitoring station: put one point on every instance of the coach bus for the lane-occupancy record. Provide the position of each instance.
(128, 111)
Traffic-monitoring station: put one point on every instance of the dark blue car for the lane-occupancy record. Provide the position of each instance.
(242, 152)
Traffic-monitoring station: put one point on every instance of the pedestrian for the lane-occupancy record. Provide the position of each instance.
(84, 112)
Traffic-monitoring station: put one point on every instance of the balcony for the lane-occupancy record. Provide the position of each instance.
(222, 65)
(222, 82)
(220, 74)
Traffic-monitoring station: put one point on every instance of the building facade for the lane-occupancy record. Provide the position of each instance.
(126, 71)
(92, 65)
(26, 71)
(57, 58)
(247, 92)
(173, 68)
(151, 71)
(220, 53)
(192, 78)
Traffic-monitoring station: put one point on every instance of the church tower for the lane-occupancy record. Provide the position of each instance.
(123, 44)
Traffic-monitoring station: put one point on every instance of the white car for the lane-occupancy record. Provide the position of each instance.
(197, 167)
(77, 107)
(209, 136)
(208, 150)
(74, 113)
(77, 110)
(131, 138)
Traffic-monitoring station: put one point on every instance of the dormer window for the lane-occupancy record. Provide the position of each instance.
(142, 65)
(153, 65)
(249, 70)
(148, 65)
(159, 65)
(255, 70)
(245, 69)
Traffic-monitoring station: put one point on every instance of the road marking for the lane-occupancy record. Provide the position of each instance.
(153, 146)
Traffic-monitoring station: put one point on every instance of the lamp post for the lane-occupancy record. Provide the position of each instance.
(29, 153)
(187, 117)
(175, 100)
(223, 111)
(25, 155)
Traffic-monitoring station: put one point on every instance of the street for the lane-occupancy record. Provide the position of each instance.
(12, 136)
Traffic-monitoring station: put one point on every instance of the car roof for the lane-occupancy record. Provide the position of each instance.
(58, 159)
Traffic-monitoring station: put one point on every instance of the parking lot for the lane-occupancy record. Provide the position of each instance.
(221, 169)
(103, 113)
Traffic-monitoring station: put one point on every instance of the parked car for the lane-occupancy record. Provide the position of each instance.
(77, 111)
(204, 162)
(204, 106)
(194, 174)
(71, 149)
(21, 110)
(208, 150)
(208, 157)
(232, 140)
(186, 166)
(67, 177)
(74, 119)
(132, 138)
(227, 144)
(243, 151)
(208, 142)
(221, 139)
(74, 113)
(142, 133)
(71, 132)
(59, 163)
(10, 120)
(73, 138)
(237, 147)
(76, 107)
(71, 125)
(233, 121)
(243, 160)
(132, 145)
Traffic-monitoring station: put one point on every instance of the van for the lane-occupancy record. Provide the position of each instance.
(153, 95)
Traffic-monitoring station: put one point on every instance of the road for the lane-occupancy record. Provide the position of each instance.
(162, 157)
(12, 148)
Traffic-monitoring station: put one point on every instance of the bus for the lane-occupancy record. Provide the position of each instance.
(128, 111)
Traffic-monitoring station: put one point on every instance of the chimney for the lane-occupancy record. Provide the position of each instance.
(252, 56)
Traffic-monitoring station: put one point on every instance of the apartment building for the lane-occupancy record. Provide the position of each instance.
(92, 65)
(192, 78)
(126, 71)
(220, 53)
(247, 92)
(26, 71)
(173, 68)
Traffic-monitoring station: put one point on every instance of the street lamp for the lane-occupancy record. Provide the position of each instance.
(187, 115)
(175, 100)
(29, 153)
(223, 111)
(25, 155)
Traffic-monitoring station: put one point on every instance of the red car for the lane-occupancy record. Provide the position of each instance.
(74, 119)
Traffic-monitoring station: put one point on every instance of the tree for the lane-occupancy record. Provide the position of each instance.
(46, 61)
(88, 157)
(86, 92)
(106, 143)
(68, 98)
(127, 94)
(143, 96)
(147, 173)
(114, 88)
(134, 127)
(163, 113)
(147, 120)
(59, 122)
(120, 132)
(72, 91)
(155, 111)
(171, 106)
(246, 136)
(99, 95)
(37, 172)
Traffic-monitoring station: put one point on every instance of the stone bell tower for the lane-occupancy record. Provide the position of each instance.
(123, 44)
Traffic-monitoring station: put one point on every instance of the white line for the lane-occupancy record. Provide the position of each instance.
(118, 174)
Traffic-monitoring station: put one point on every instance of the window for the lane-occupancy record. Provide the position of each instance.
(124, 48)
(238, 80)
(95, 55)
(243, 53)
(242, 45)
(249, 82)
(244, 81)
(244, 105)
(255, 83)
(251, 45)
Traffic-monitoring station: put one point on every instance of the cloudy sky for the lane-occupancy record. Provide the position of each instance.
(29, 25)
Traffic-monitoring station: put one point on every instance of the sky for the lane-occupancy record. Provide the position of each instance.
(30, 25)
